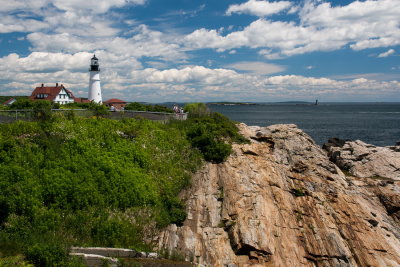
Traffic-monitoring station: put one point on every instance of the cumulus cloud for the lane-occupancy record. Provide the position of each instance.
(26, 5)
(43, 62)
(197, 83)
(64, 34)
(96, 6)
(259, 8)
(15, 24)
(194, 83)
(387, 53)
(261, 68)
(84, 18)
(360, 25)
(143, 42)
(198, 74)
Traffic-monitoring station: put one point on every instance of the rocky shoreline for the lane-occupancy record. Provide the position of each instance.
(365, 160)
(281, 201)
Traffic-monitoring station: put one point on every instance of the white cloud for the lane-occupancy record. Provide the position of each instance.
(95, 6)
(82, 18)
(26, 5)
(43, 62)
(198, 74)
(261, 68)
(259, 8)
(322, 27)
(14, 24)
(19, 75)
(144, 42)
(64, 34)
(387, 53)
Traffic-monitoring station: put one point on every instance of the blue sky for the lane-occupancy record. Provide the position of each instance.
(185, 50)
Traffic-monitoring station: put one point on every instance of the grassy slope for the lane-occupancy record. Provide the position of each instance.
(97, 182)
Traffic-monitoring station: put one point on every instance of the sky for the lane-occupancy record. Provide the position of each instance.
(205, 50)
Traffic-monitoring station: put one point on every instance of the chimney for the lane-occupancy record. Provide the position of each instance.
(42, 85)
(56, 84)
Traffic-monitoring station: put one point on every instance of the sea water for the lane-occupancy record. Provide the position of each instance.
(373, 123)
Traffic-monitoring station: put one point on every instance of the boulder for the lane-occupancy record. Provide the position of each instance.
(365, 160)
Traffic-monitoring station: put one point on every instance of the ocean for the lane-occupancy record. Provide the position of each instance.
(373, 123)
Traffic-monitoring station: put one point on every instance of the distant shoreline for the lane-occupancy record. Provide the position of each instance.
(233, 103)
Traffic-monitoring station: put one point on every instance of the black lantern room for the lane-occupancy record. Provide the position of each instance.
(94, 64)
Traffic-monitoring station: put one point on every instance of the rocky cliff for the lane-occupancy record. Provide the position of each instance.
(279, 201)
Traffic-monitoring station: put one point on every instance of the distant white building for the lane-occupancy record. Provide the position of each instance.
(9, 102)
(94, 81)
(57, 94)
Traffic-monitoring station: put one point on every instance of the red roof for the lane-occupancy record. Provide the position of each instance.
(115, 101)
(12, 99)
(81, 100)
(51, 92)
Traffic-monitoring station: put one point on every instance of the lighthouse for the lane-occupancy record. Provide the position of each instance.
(94, 81)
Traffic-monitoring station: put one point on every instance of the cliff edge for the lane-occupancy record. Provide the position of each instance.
(279, 201)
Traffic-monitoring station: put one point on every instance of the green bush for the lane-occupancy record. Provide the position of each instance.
(89, 182)
(143, 107)
(13, 261)
(212, 135)
(197, 110)
(42, 110)
(22, 103)
(99, 110)
(51, 254)
(76, 105)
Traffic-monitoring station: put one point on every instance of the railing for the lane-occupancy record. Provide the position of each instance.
(28, 115)
(14, 115)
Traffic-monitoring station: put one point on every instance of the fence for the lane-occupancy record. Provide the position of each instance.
(28, 115)
(14, 115)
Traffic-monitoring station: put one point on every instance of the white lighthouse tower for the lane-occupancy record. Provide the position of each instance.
(94, 81)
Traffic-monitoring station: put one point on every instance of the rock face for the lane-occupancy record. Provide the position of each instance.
(365, 160)
(279, 201)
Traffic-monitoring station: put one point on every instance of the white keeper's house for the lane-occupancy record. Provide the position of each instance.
(57, 94)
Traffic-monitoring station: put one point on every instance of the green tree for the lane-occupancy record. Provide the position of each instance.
(22, 103)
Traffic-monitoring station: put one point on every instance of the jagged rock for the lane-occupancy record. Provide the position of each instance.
(244, 212)
(389, 196)
(334, 142)
(365, 160)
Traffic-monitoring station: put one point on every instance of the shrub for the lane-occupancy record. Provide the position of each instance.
(98, 182)
(13, 261)
(197, 110)
(99, 110)
(42, 110)
(51, 254)
(22, 103)
(213, 135)
(89, 182)
(210, 145)
(143, 107)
